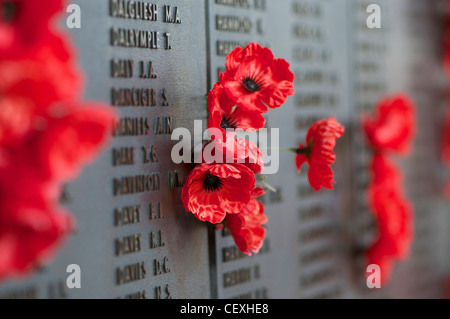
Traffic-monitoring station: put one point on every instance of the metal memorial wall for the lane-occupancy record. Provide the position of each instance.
(155, 66)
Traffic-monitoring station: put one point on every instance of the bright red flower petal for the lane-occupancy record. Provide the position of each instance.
(225, 116)
(384, 172)
(319, 154)
(218, 100)
(73, 136)
(235, 151)
(44, 79)
(31, 241)
(30, 232)
(214, 190)
(300, 159)
(394, 125)
(376, 256)
(394, 216)
(30, 87)
(248, 121)
(246, 227)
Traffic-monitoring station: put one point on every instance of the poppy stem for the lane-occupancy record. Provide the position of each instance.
(297, 151)
(269, 187)
(292, 150)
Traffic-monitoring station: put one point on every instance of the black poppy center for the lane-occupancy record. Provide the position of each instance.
(251, 84)
(228, 122)
(212, 183)
(8, 10)
(305, 151)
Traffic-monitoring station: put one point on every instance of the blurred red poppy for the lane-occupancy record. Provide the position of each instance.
(318, 152)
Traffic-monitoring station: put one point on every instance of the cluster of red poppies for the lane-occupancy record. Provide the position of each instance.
(390, 131)
(46, 132)
(222, 188)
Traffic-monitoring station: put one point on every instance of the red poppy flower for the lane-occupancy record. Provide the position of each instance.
(246, 227)
(31, 86)
(393, 214)
(30, 234)
(318, 152)
(224, 115)
(255, 80)
(392, 210)
(25, 24)
(393, 126)
(234, 151)
(214, 190)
